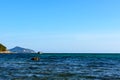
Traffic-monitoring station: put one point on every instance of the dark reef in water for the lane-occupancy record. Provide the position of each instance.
(35, 58)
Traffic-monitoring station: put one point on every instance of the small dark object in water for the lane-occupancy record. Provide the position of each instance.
(35, 58)
(39, 52)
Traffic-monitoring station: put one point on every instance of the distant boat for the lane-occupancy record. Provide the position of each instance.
(39, 52)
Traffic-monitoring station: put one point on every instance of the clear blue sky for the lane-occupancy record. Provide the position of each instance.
(61, 25)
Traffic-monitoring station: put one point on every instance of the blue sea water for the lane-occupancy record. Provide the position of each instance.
(64, 66)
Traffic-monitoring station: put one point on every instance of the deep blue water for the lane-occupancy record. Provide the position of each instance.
(60, 67)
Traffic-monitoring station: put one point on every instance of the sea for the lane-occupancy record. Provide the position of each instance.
(60, 66)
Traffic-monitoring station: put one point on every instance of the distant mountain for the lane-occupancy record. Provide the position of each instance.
(21, 50)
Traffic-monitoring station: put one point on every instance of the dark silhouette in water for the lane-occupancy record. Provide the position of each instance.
(35, 58)
(39, 52)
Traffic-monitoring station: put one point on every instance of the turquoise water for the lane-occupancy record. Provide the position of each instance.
(69, 66)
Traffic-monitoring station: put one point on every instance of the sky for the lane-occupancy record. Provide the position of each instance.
(77, 26)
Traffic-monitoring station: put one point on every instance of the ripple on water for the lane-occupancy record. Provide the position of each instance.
(59, 68)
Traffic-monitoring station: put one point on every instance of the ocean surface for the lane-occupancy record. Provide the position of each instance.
(64, 66)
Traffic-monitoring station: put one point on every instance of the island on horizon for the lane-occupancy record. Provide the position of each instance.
(17, 49)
